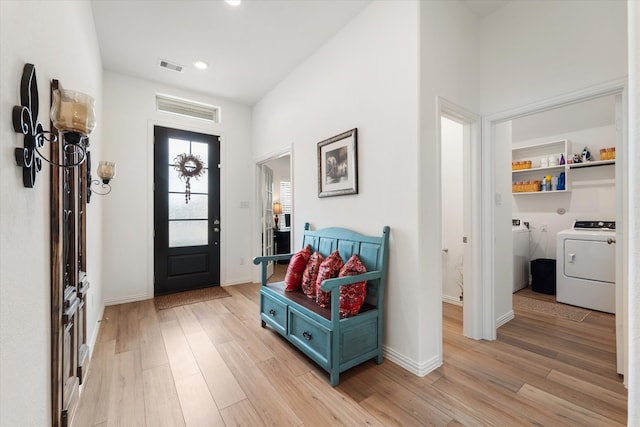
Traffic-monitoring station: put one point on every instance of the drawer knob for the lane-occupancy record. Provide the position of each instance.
(272, 312)
(307, 335)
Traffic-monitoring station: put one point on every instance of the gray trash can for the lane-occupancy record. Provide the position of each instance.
(543, 276)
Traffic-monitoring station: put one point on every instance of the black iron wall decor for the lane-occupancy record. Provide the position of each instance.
(89, 179)
(25, 121)
(72, 116)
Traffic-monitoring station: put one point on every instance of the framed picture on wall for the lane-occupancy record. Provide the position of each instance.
(338, 165)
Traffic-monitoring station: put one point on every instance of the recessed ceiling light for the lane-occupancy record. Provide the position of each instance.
(234, 2)
(200, 64)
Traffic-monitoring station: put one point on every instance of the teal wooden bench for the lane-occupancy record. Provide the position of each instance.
(333, 343)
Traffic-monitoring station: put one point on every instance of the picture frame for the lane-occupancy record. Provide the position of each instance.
(338, 165)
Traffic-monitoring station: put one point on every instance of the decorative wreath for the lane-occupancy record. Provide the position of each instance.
(189, 166)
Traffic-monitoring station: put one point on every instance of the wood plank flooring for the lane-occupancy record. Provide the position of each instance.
(211, 364)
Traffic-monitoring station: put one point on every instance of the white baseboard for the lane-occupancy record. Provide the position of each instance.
(419, 369)
(126, 299)
(451, 300)
(504, 318)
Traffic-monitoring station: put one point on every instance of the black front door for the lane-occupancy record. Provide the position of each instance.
(186, 210)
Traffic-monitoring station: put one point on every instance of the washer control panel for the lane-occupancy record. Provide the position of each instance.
(594, 225)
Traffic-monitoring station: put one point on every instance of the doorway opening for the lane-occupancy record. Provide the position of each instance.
(274, 208)
(594, 192)
(461, 214)
(452, 155)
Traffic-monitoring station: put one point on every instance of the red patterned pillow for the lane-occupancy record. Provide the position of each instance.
(329, 269)
(297, 264)
(311, 274)
(352, 296)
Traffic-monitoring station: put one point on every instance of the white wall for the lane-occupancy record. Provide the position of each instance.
(452, 189)
(633, 373)
(366, 78)
(503, 262)
(533, 50)
(449, 61)
(130, 115)
(30, 32)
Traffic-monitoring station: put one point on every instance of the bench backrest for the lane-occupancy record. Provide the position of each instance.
(372, 251)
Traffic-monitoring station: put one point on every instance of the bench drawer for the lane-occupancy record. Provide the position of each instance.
(274, 313)
(310, 337)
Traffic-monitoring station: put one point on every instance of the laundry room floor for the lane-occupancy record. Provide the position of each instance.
(529, 293)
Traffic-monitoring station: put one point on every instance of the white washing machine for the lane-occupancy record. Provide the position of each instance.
(586, 266)
(520, 255)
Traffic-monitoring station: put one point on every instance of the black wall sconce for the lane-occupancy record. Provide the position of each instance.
(72, 114)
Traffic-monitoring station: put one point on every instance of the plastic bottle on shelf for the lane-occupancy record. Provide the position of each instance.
(548, 181)
(554, 183)
(561, 182)
(543, 184)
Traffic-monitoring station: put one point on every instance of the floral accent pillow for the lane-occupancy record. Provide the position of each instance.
(352, 296)
(329, 269)
(310, 275)
(297, 264)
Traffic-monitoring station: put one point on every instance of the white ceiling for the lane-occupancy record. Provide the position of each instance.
(249, 48)
(484, 8)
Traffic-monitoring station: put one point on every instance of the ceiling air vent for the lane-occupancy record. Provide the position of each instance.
(169, 66)
(183, 107)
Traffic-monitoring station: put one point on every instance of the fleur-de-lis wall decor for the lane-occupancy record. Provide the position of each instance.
(25, 121)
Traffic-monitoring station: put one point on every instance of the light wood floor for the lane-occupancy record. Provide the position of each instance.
(211, 364)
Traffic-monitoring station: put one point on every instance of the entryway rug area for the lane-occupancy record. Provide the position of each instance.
(164, 302)
(564, 311)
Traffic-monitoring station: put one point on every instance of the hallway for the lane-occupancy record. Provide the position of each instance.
(212, 364)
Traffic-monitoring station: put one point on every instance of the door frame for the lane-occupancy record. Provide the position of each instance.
(257, 200)
(213, 130)
(472, 132)
(616, 88)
